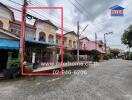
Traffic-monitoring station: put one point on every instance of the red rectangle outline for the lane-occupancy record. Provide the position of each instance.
(22, 43)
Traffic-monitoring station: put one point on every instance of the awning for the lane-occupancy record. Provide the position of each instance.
(9, 45)
(39, 43)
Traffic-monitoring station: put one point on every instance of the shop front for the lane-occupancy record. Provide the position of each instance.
(38, 52)
(8, 50)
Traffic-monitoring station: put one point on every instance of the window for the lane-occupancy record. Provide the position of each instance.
(81, 45)
(70, 43)
(58, 40)
(51, 38)
(16, 31)
(42, 36)
(100, 46)
(1, 24)
(12, 30)
(84, 46)
(74, 44)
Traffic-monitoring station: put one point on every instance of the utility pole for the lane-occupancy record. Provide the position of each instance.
(78, 42)
(24, 17)
(95, 41)
(105, 42)
(129, 52)
(22, 40)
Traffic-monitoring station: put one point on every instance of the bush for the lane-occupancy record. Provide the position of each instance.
(14, 69)
(107, 56)
(67, 57)
(15, 64)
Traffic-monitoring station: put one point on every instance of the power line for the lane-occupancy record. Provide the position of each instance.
(34, 4)
(50, 16)
(41, 3)
(39, 13)
(80, 5)
(15, 2)
(34, 12)
(83, 10)
(14, 8)
(80, 10)
(115, 44)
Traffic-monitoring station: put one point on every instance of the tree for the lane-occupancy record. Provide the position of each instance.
(115, 52)
(127, 37)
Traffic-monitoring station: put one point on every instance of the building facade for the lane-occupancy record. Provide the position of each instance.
(42, 42)
(9, 42)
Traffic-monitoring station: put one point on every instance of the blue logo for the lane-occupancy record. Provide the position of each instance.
(117, 11)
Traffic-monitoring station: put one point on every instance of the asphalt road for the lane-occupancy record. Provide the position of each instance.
(109, 80)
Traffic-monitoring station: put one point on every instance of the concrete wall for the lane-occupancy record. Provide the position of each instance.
(6, 37)
(29, 34)
(91, 45)
(47, 29)
(84, 44)
(73, 38)
(5, 17)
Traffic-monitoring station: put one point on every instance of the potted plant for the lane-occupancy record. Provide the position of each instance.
(14, 68)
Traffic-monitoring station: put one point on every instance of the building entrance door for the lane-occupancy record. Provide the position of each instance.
(3, 59)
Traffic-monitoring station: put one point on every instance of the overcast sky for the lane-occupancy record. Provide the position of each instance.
(95, 13)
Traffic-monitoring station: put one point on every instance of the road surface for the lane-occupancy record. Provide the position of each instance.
(109, 80)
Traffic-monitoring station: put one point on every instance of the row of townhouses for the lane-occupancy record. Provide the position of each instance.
(42, 42)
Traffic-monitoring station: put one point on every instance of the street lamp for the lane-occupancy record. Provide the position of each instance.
(105, 39)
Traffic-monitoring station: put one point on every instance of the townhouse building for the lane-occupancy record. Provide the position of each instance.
(70, 40)
(40, 39)
(87, 47)
(9, 43)
(42, 47)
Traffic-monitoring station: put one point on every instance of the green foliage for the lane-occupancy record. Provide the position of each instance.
(15, 63)
(110, 55)
(107, 56)
(95, 52)
(127, 37)
(67, 57)
(127, 56)
(114, 52)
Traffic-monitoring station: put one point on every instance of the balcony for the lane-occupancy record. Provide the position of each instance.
(51, 41)
(42, 39)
